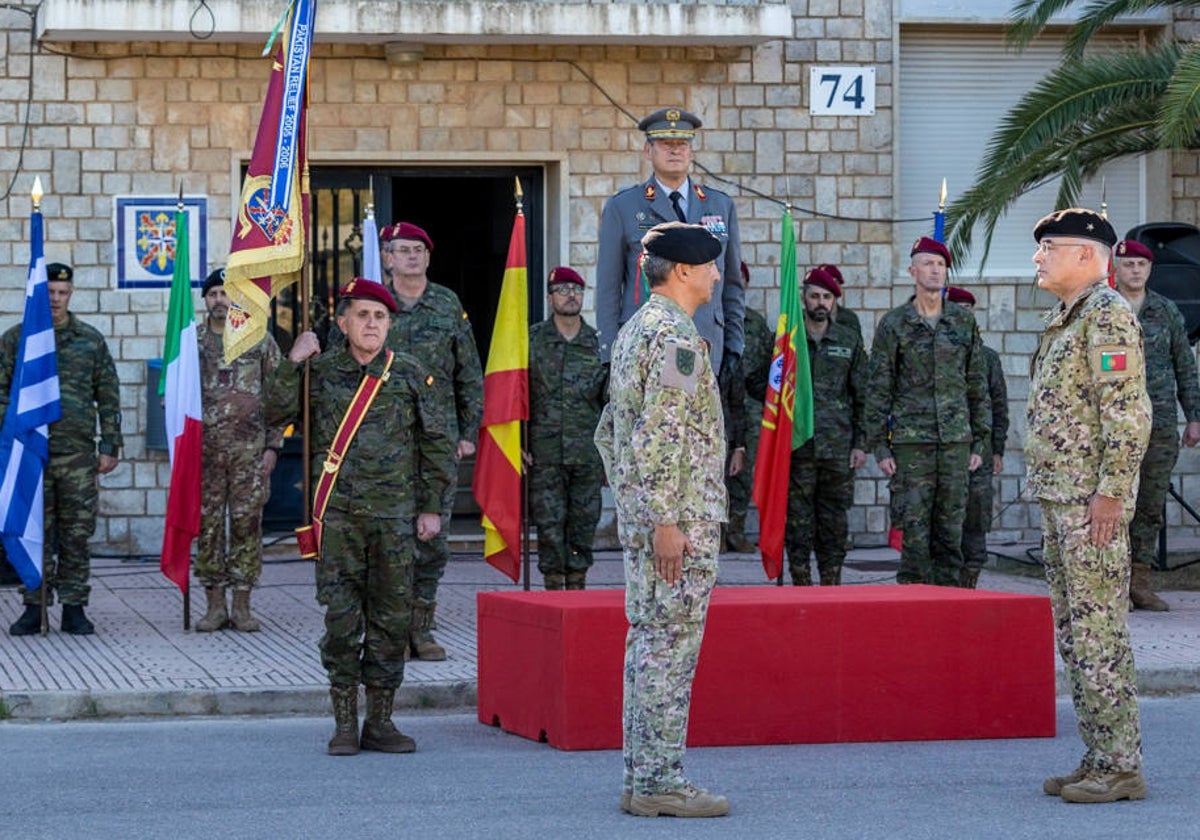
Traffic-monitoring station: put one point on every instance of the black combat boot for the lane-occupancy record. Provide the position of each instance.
(577, 579)
(29, 623)
(75, 622)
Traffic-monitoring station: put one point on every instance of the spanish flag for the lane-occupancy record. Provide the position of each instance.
(497, 482)
(787, 412)
(270, 233)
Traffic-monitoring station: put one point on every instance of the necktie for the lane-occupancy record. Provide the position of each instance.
(675, 196)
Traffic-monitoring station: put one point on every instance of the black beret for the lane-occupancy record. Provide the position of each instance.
(680, 243)
(59, 271)
(1076, 221)
(216, 277)
(670, 124)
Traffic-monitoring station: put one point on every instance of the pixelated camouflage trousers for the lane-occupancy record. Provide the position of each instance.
(566, 507)
(231, 481)
(1154, 481)
(364, 581)
(978, 519)
(70, 520)
(930, 492)
(662, 647)
(820, 491)
(1089, 594)
(741, 486)
(430, 558)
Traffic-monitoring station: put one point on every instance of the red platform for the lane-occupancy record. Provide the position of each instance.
(781, 665)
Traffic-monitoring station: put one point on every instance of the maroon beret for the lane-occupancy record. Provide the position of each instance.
(956, 295)
(563, 274)
(360, 288)
(818, 277)
(1133, 248)
(833, 271)
(745, 274)
(929, 245)
(406, 230)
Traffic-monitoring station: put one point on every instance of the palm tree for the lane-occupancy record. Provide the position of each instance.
(1092, 109)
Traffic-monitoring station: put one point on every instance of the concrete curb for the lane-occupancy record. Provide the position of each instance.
(94, 705)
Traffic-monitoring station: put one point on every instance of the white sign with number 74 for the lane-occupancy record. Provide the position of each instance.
(841, 91)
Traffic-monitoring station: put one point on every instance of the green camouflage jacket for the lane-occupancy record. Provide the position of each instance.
(232, 394)
(1170, 361)
(566, 394)
(839, 376)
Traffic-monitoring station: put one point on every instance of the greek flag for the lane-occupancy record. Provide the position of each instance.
(33, 404)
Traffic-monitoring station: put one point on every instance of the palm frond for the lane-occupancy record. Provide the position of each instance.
(1029, 17)
(1180, 114)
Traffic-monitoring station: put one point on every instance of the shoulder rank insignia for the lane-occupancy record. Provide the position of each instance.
(650, 192)
(699, 190)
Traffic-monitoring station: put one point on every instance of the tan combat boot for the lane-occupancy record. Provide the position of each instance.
(378, 732)
(240, 616)
(576, 580)
(420, 639)
(216, 617)
(553, 581)
(345, 715)
(1140, 593)
(1054, 785)
(1098, 786)
(687, 802)
(735, 536)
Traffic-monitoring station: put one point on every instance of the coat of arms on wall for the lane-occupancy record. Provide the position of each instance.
(145, 240)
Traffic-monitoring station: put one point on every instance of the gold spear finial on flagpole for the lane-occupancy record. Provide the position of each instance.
(36, 193)
(519, 195)
(942, 198)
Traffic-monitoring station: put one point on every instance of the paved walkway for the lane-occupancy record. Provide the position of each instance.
(142, 662)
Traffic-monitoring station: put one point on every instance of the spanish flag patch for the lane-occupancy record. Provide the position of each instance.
(1112, 360)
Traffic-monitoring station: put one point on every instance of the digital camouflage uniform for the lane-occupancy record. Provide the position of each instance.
(821, 482)
(927, 407)
(436, 331)
(756, 362)
(1088, 419)
(566, 394)
(978, 520)
(397, 466)
(662, 440)
(848, 318)
(1170, 378)
(88, 387)
(235, 436)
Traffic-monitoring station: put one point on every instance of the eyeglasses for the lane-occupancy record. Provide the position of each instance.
(418, 249)
(567, 291)
(1048, 245)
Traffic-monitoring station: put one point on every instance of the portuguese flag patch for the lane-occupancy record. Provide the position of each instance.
(1112, 360)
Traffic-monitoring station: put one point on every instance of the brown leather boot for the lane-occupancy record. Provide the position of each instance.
(576, 580)
(801, 575)
(968, 578)
(217, 616)
(735, 535)
(420, 639)
(553, 581)
(378, 732)
(345, 716)
(1140, 593)
(240, 616)
(831, 576)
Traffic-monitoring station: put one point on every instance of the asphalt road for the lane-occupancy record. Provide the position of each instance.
(269, 777)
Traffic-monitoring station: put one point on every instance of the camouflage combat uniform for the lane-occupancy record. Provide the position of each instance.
(978, 520)
(437, 332)
(821, 483)
(1088, 420)
(927, 407)
(397, 466)
(1170, 378)
(760, 342)
(848, 318)
(566, 393)
(87, 381)
(662, 440)
(235, 436)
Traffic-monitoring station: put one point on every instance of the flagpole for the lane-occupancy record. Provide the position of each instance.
(36, 194)
(187, 585)
(527, 539)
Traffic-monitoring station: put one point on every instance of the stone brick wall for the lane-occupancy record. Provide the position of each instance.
(139, 118)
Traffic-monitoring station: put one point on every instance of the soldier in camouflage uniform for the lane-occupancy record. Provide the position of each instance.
(1170, 378)
(662, 440)
(240, 451)
(928, 417)
(89, 390)
(979, 486)
(389, 488)
(566, 393)
(432, 326)
(821, 478)
(1088, 420)
(760, 343)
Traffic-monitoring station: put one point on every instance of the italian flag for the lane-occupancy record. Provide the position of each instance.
(179, 386)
